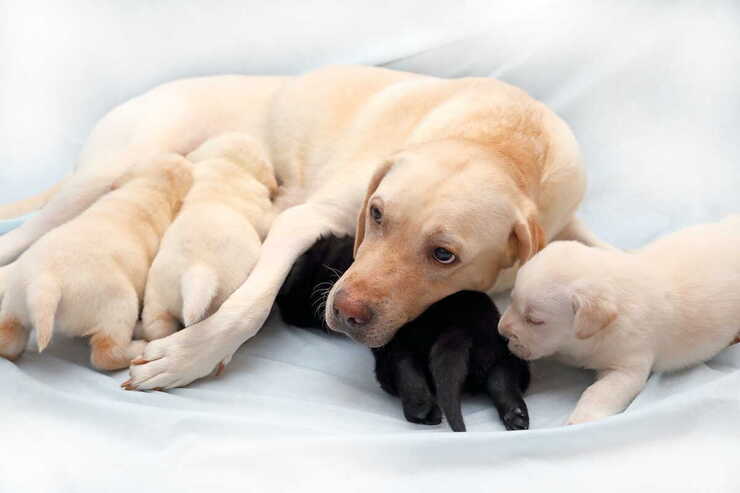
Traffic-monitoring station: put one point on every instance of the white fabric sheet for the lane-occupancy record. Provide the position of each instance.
(652, 91)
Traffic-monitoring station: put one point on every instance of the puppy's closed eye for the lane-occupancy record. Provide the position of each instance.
(533, 321)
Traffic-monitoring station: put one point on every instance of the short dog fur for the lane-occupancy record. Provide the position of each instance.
(453, 346)
(87, 276)
(669, 305)
(214, 242)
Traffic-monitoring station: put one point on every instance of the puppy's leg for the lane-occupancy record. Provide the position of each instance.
(610, 394)
(13, 337)
(156, 321)
(401, 374)
(197, 351)
(109, 353)
(111, 344)
(505, 383)
(74, 196)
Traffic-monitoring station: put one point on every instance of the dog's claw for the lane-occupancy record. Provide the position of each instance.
(219, 369)
(139, 361)
(127, 385)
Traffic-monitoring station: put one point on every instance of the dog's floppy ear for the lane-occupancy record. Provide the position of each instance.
(372, 186)
(527, 235)
(594, 310)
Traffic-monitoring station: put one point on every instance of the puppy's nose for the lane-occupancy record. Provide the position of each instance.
(353, 313)
(504, 328)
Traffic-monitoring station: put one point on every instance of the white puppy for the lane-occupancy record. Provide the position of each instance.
(672, 304)
(87, 276)
(213, 244)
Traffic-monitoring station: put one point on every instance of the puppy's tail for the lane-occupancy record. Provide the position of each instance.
(448, 362)
(198, 287)
(43, 296)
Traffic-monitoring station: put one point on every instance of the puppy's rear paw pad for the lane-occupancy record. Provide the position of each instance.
(516, 419)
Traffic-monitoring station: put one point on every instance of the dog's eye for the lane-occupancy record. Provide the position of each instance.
(376, 214)
(532, 321)
(443, 256)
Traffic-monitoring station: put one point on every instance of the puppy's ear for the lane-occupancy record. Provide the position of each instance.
(594, 310)
(527, 235)
(372, 186)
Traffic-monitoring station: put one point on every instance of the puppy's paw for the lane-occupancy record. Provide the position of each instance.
(516, 418)
(422, 411)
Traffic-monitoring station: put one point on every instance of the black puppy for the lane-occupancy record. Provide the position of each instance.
(453, 346)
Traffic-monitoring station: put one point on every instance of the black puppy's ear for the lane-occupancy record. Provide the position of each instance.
(372, 186)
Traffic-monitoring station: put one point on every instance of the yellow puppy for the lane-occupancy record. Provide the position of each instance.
(669, 305)
(213, 244)
(87, 276)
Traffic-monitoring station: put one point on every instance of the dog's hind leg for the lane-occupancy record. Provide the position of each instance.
(400, 373)
(111, 344)
(197, 351)
(505, 383)
(108, 353)
(157, 322)
(13, 337)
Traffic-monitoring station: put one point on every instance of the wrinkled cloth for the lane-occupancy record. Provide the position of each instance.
(652, 91)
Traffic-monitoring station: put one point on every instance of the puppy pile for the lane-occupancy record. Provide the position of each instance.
(672, 304)
(214, 242)
(170, 221)
(87, 276)
(453, 346)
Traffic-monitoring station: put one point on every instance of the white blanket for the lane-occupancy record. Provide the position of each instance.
(653, 94)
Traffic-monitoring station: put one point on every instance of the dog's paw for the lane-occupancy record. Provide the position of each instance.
(516, 418)
(176, 361)
(423, 412)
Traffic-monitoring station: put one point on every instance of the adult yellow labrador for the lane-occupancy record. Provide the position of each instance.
(468, 178)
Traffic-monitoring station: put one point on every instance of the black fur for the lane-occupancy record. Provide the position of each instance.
(452, 347)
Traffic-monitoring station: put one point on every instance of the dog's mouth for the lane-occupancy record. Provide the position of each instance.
(519, 349)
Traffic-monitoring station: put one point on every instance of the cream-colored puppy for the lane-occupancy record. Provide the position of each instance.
(87, 276)
(215, 240)
(672, 304)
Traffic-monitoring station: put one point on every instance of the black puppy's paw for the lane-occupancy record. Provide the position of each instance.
(423, 412)
(516, 418)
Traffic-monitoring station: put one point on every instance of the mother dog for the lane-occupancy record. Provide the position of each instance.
(467, 179)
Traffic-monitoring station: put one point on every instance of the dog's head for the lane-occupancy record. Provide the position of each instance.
(437, 218)
(556, 301)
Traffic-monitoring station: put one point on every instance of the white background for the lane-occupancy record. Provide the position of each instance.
(652, 90)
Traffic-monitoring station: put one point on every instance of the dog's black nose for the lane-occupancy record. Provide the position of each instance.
(353, 313)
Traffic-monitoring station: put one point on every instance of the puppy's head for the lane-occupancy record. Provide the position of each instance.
(556, 301)
(242, 150)
(169, 173)
(437, 218)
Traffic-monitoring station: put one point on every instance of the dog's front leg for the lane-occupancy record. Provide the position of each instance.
(198, 350)
(610, 394)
